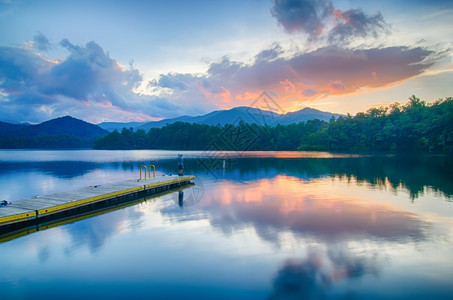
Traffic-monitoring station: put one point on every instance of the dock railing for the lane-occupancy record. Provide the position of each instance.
(154, 171)
(149, 171)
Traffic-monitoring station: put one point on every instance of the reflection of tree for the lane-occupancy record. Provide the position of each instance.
(410, 171)
(313, 277)
(62, 169)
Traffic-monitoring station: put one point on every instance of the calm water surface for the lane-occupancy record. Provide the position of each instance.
(256, 225)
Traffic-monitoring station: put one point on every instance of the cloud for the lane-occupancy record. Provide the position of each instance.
(319, 19)
(41, 42)
(355, 23)
(269, 54)
(87, 84)
(304, 76)
(91, 85)
(173, 81)
(89, 73)
(302, 15)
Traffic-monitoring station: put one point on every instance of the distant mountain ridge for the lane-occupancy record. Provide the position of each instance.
(64, 132)
(69, 132)
(5, 127)
(247, 114)
(60, 126)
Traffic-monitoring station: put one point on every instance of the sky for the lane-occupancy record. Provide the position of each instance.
(123, 61)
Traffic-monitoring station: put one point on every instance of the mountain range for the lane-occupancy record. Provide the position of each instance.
(232, 116)
(64, 132)
(60, 126)
(69, 132)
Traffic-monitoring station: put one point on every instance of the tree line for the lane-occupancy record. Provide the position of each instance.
(416, 126)
(53, 141)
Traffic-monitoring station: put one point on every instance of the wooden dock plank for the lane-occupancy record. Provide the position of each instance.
(37, 206)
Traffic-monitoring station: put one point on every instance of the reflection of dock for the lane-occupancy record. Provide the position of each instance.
(60, 205)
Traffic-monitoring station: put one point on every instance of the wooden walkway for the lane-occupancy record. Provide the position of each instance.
(26, 210)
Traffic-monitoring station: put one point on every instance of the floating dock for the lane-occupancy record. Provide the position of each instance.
(23, 212)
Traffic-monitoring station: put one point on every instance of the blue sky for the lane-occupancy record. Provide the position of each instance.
(148, 60)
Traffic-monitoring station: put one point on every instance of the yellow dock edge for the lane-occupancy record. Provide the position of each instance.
(74, 204)
(34, 214)
(187, 178)
(21, 216)
(44, 226)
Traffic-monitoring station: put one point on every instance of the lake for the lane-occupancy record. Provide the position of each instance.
(256, 225)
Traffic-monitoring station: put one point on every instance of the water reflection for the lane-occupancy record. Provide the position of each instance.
(94, 232)
(314, 276)
(272, 206)
(415, 173)
(265, 228)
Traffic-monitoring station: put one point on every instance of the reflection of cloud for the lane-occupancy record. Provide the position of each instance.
(312, 277)
(300, 280)
(43, 254)
(94, 232)
(279, 204)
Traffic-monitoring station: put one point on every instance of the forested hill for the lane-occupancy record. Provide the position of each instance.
(64, 132)
(8, 127)
(416, 126)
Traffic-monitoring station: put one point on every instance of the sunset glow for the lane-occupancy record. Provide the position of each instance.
(332, 55)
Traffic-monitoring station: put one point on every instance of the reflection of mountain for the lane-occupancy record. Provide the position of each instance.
(67, 169)
(61, 169)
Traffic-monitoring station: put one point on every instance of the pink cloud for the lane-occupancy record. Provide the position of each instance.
(303, 77)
